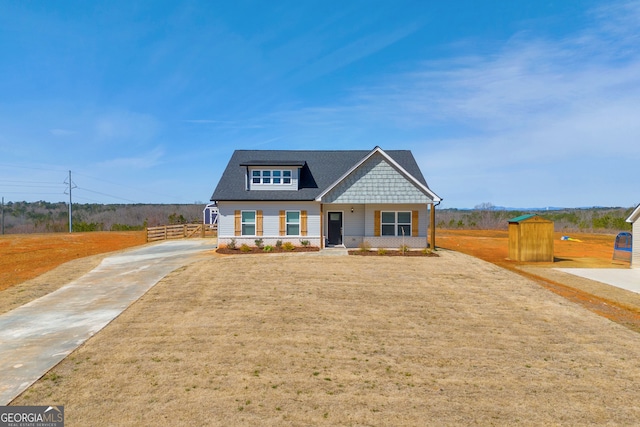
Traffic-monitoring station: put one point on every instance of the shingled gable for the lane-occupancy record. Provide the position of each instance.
(320, 171)
(377, 150)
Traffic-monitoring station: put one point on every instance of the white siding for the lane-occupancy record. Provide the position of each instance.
(270, 222)
(358, 226)
(352, 222)
(635, 254)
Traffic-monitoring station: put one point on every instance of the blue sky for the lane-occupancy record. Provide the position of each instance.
(515, 103)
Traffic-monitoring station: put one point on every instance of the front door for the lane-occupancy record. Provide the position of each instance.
(334, 234)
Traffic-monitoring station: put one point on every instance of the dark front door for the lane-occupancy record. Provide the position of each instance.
(334, 236)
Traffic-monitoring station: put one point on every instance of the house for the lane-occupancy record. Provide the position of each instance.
(328, 198)
(634, 219)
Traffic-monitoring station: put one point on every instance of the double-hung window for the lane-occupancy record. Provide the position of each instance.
(396, 223)
(293, 223)
(248, 223)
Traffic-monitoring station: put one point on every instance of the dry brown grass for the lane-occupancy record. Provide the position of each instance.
(313, 340)
(27, 291)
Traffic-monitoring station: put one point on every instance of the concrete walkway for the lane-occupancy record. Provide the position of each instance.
(625, 278)
(333, 251)
(38, 335)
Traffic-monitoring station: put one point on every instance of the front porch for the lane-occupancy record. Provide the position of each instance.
(387, 226)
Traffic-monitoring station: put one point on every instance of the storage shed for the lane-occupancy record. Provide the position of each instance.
(634, 219)
(531, 238)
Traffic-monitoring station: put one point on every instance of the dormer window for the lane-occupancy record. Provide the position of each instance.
(271, 176)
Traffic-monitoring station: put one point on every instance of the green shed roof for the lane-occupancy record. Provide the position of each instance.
(522, 217)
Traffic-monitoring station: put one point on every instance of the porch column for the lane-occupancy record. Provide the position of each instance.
(321, 226)
(433, 227)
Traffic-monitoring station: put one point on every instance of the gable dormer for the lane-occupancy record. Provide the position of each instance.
(272, 175)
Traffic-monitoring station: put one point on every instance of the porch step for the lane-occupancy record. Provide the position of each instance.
(335, 250)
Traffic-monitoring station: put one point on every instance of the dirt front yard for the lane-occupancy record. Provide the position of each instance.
(25, 256)
(304, 339)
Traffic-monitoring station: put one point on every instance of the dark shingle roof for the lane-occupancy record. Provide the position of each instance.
(320, 170)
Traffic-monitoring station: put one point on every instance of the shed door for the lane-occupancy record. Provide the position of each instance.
(334, 235)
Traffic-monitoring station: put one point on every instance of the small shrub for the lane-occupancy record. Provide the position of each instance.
(382, 251)
(288, 246)
(364, 246)
(245, 248)
(403, 248)
(426, 251)
(259, 243)
(268, 248)
(305, 243)
(232, 244)
(278, 244)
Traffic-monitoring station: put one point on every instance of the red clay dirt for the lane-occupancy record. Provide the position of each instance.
(25, 256)
(587, 250)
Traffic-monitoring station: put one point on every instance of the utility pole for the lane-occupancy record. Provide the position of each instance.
(70, 224)
(3, 215)
(71, 187)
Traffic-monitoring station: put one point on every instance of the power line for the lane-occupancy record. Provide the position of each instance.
(29, 186)
(27, 192)
(86, 199)
(27, 182)
(40, 168)
(49, 185)
(128, 186)
(105, 194)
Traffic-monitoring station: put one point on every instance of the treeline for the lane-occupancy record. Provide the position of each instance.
(487, 216)
(46, 217)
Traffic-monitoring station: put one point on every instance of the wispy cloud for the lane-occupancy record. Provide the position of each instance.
(347, 54)
(62, 132)
(125, 127)
(203, 121)
(144, 160)
(225, 124)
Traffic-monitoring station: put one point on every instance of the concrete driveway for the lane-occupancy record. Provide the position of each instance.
(38, 335)
(625, 278)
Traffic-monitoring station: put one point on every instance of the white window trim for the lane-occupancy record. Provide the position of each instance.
(261, 177)
(255, 222)
(396, 223)
(286, 223)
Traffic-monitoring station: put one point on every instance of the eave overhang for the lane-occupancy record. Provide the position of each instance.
(634, 215)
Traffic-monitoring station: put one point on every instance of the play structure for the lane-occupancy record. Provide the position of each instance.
(210, 215)
(622, 247)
